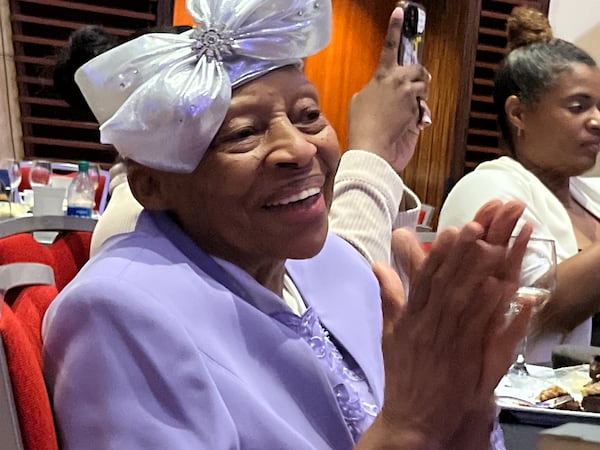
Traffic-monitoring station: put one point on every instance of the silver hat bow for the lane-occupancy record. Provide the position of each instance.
(161, 98)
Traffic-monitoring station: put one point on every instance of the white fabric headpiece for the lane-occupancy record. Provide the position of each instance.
(161, 98)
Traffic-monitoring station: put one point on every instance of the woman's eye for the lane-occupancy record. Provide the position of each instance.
(309, 118)
(311, 121)
(240, 134)
(576, 108)
(313, 115)
(236, 139)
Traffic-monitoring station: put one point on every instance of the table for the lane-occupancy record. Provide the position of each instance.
(519, 436)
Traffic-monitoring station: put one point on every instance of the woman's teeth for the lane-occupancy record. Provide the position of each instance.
(297, 197)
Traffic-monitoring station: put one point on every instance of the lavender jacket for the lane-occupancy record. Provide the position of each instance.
(146, 350)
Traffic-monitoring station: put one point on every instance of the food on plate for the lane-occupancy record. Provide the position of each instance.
(591, 391)
(554, 392)
(591, 397)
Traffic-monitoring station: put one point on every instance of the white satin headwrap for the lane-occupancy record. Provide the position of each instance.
(161, 98)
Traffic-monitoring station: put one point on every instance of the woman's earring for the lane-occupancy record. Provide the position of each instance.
(519, 132)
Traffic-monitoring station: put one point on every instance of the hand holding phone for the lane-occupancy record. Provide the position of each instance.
(410, 50)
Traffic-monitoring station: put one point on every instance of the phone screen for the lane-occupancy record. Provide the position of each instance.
(411, 45)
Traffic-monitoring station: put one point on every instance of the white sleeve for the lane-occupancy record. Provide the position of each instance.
(120, 216)
(366, 201)
(475, 189)
(542, 209)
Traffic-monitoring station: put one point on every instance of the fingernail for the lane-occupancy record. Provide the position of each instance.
(398, 13)
(425, 121)
(427, 118)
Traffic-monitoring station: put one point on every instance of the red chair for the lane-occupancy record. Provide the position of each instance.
(70, 251)
(28, 270)
(27, 420)
(426, 239)
(66, 254)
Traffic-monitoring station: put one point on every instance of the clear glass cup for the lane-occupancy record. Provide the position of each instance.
(94, 173)
(13, 167)
(536, 286)
(40, 173)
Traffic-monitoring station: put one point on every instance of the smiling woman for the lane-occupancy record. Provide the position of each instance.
(230, 317)
(267, 174)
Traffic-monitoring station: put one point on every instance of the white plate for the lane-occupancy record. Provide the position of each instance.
(511, 389)
(16, 209)
(546, 417)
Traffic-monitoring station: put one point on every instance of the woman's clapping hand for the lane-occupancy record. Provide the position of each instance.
(446, 348)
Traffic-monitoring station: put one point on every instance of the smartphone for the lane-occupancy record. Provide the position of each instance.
(411, 45)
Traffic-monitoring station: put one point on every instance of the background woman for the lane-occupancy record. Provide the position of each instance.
(547, 95)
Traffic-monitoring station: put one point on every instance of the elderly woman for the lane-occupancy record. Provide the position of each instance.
(230, 317)
(547, 94)
(367, 177)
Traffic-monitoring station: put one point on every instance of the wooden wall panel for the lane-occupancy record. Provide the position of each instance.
(349, 60)
(180, 15)
(448, 55)
(348, 63)
(483, 141)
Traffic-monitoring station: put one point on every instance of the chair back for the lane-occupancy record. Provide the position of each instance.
(10, 430)
(70, 251)
(27, 422)
(31, 275)
(66, 254)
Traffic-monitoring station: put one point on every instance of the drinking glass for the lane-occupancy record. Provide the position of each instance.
(536, 286)
(40, 173)
(13, 167)
(94, 174)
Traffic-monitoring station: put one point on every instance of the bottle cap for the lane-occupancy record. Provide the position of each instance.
(84, 166)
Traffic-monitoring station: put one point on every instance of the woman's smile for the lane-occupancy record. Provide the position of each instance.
(309, 205)
(296, 198)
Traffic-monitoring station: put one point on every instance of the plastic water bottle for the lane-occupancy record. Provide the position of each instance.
(80, 195)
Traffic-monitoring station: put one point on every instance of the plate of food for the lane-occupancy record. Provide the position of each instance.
(13, 210)
(551, 397)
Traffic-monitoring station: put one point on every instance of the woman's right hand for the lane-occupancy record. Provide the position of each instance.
(448, 346)
(384, 115)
